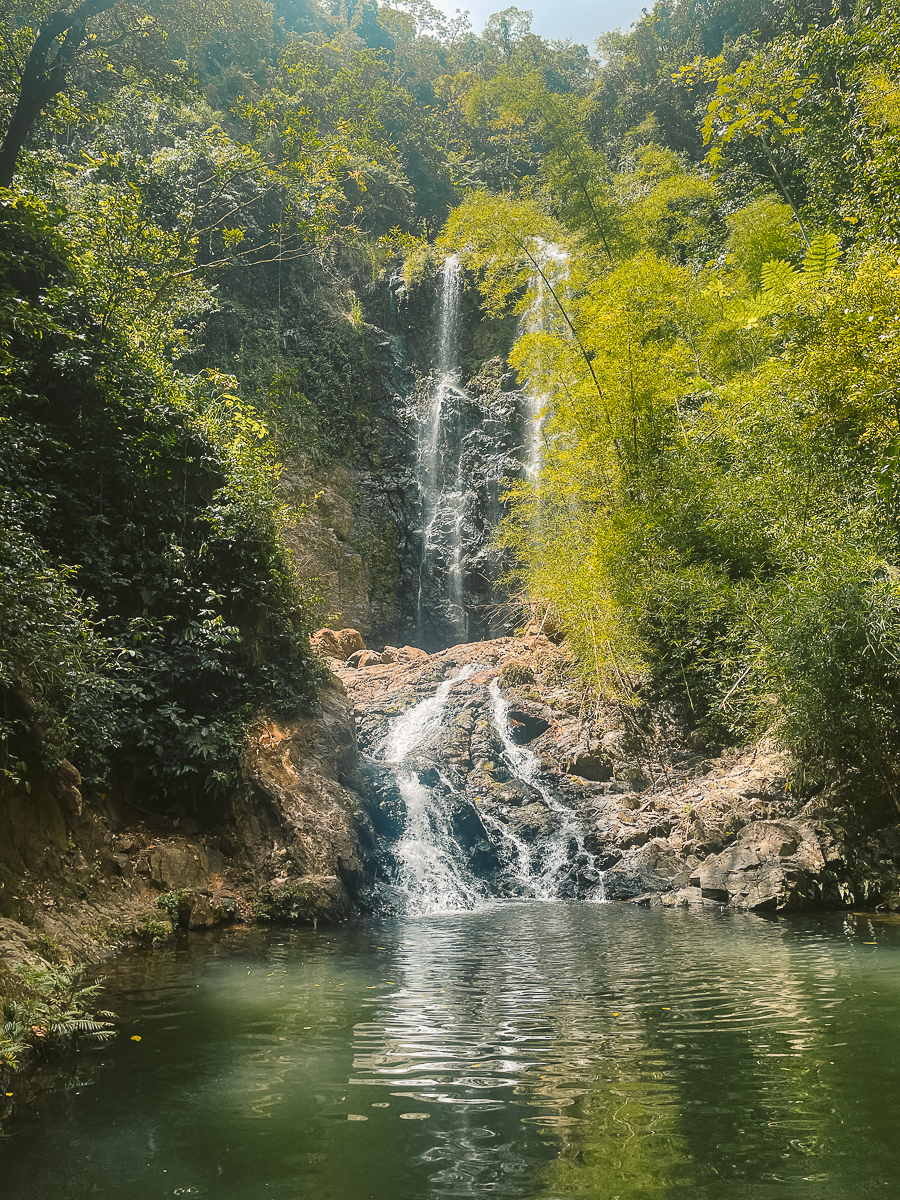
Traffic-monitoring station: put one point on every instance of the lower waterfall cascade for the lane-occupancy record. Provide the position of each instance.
(432, 862)
(456, 850)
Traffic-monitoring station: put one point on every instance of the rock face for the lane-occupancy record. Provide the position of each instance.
(323, 541)
(306, 840)
(83, 872)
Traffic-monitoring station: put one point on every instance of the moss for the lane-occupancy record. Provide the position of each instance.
(149, 929)
(513, 674)
(299, 901)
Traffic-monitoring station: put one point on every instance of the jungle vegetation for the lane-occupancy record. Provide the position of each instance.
(196, 200)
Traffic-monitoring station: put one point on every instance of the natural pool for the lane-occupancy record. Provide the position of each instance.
(526, 1049)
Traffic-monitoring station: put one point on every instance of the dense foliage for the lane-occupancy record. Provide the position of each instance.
(200, 200)
(716, 511)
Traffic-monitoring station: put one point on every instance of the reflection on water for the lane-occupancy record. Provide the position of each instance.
(527, 1050)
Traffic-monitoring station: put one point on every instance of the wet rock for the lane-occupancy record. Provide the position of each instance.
(515, 792)
(592, 764)
(207, 913)
(377, 786)
(627, 881)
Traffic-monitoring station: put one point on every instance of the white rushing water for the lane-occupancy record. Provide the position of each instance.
(432, 872)
(439, 468)
(432, 868)
(552, 858)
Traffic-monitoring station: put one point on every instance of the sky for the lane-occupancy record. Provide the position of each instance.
(580, 20)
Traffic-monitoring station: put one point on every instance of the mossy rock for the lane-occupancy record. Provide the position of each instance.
(303, 901)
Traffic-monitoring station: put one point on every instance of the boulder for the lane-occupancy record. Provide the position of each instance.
(337, 643)
(412, 654)
(327, 644)
(177, 868)
(304, 900)
(349, 640)
(769, 867)
(367, 658)
(515, 792)
(206, 913)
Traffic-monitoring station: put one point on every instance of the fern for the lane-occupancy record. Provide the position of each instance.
(54, 1013)
(777, 276)
(747, 312)
(821, 258)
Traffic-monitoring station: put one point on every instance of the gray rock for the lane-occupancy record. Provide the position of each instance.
(175, 869)
(769, 867)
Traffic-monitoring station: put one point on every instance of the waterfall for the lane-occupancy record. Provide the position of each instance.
(555, 858)
(439, 474)
(431, 867)
(431, 871)
(542, 316)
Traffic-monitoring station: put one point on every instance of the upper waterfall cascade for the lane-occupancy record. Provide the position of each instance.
(470, 435)
(439, 474)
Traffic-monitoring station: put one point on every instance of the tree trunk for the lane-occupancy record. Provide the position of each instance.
(46, 74)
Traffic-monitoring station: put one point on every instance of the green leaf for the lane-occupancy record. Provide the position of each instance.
(777, 276)
(822, 257)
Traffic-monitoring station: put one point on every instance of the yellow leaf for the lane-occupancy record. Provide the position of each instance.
(135, 1037)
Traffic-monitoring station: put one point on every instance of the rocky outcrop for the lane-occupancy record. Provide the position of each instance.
(338, 539)
(667, 819)
(304, 838)
(84, 872)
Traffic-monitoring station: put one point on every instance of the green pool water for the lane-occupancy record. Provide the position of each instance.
(523, 1050)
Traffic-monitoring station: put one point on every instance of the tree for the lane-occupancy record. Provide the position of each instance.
(59, 41)
(98, 40)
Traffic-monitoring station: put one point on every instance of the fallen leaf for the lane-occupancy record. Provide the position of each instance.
(135, 1037)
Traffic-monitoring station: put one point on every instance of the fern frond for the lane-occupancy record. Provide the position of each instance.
(777, 276)
(822, 257)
